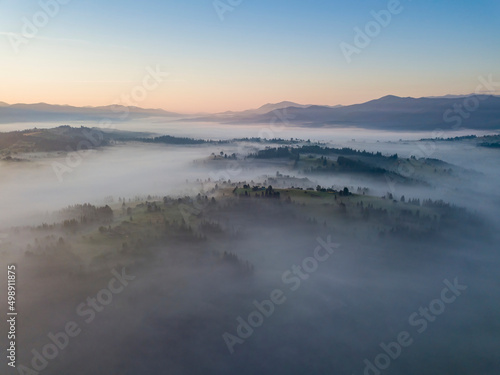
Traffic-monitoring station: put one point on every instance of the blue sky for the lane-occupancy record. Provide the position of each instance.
(91, 52)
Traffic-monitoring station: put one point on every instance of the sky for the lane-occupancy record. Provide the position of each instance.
(213, 56)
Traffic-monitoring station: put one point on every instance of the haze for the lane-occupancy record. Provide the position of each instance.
(245, 187)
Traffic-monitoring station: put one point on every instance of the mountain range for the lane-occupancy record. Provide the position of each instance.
(481, 112)
(42, 112)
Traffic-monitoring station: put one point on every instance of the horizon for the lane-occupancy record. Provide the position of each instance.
(447, 96)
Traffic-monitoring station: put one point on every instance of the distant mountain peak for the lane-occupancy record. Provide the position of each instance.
(284, 103)
(452, 96)
(395, 98)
